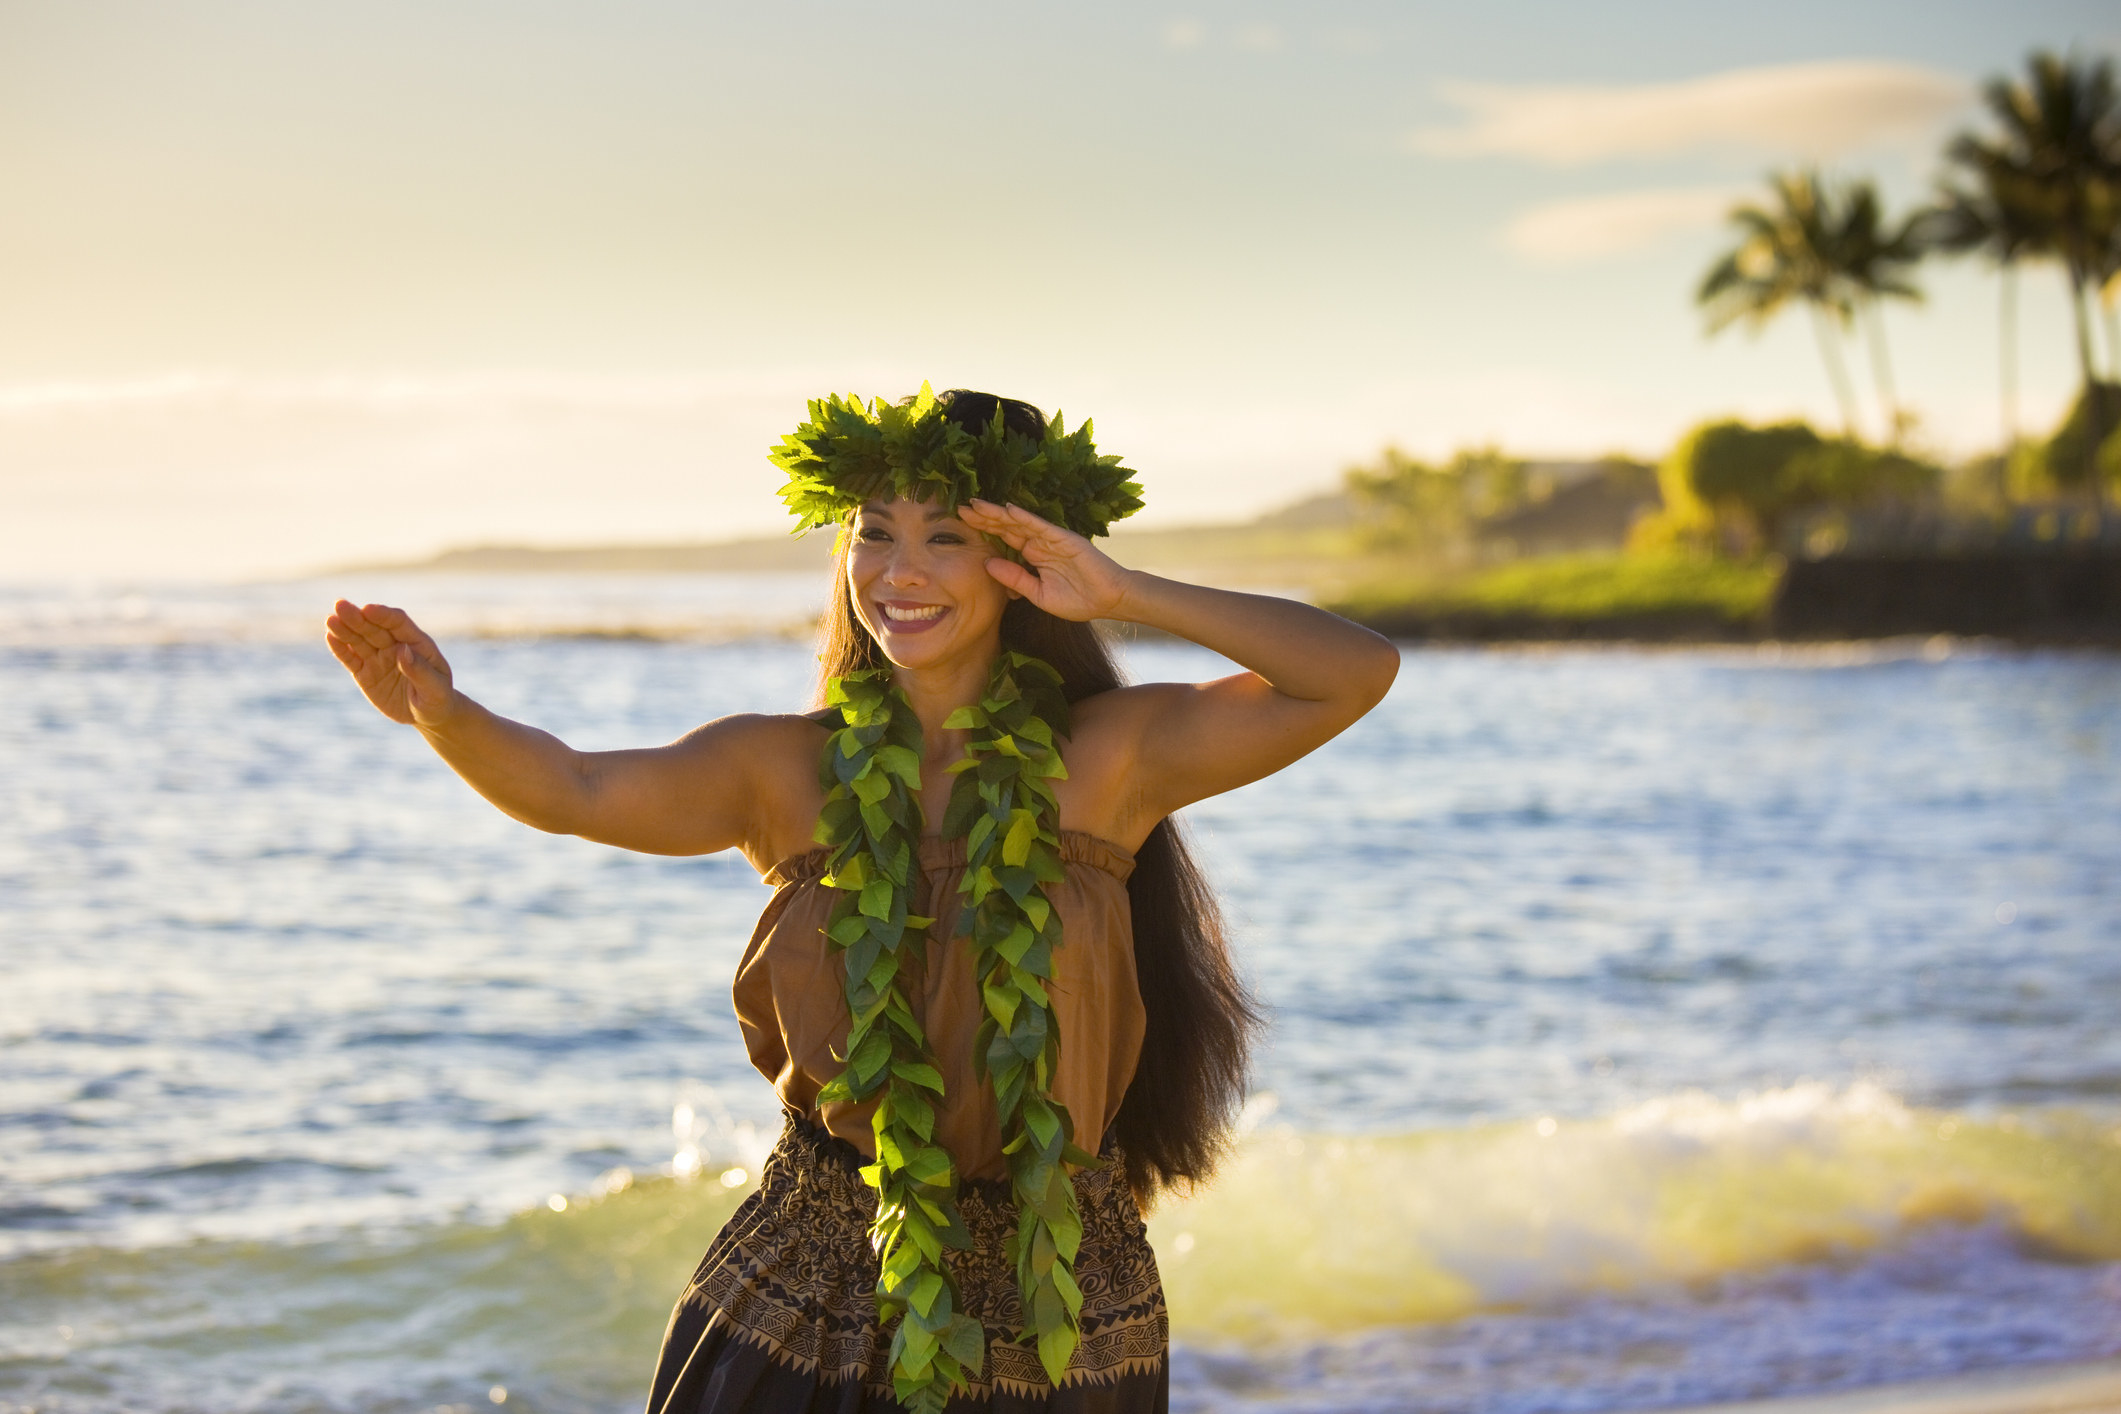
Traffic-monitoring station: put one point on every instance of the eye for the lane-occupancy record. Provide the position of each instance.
(947, 537)
(872, 533)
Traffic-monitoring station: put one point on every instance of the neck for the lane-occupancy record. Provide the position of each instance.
(935, 692)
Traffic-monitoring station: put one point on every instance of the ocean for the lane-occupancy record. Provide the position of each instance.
(1649, 1027)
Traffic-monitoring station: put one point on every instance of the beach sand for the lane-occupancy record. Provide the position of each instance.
(2035, 1389)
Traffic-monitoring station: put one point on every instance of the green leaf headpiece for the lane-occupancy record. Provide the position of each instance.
(846, 453)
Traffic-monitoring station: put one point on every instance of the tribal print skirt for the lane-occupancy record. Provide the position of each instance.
(781, 1315)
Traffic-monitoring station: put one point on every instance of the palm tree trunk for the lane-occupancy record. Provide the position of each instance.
(2113, 335)
(1837, 373)
(2084, 328)
(2094, 394)
(1882, 370)
(2007, 317)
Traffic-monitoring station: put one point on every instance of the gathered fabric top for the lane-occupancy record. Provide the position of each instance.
(791, 999)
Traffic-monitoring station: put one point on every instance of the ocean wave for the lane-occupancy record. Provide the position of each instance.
(1689, 1247)
(1330, 1233)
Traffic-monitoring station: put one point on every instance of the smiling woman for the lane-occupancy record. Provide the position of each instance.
(947, 1009)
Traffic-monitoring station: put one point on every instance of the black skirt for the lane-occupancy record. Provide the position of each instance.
(781, 1315)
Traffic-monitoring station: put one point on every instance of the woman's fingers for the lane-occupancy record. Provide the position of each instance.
(1024, 531)
(361, 624)
(1014, 576)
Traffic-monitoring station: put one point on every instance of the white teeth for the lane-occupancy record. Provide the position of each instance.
(920, 615)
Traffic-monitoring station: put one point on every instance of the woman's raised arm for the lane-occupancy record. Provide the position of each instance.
(698, 795)
(1311, 673)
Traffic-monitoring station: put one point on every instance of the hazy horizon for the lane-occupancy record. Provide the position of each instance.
(282, 288)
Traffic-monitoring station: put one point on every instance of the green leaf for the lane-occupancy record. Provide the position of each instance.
(1064, 1282)
(1001, 1003)
(870, 1057)
(916, 1114)
(923, 1238)
(919, 1073)
(964, 719)
(1017, 944)
(920, 1347)
(876, 898)
(966, 1340)
(930, 1165)
(1041, 1121)
(864, 951)
(1054, 1349)
(902, 763)
(982, 828)
(1023, 830)
(1043, 1251)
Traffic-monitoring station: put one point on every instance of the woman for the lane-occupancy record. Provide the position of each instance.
(986, 939)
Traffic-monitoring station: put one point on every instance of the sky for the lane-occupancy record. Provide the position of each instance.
(285, 284)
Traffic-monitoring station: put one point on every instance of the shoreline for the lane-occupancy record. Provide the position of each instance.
(2090, 1388)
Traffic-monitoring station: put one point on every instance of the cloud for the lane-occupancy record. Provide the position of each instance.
(1817, 110)
(1619, 223)
(1185, 34)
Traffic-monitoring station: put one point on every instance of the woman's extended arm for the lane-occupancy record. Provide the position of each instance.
(695, 796)
(1311, 674)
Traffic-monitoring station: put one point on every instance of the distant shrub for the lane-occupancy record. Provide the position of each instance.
(1738, 488)
(2068, 460)
(1417, 504)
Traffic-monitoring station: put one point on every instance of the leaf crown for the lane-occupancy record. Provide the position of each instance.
(848, 452)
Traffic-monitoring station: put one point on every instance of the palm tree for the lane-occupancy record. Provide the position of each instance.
(1829, 247)
(1980, 220)
(2055, 164)
(1876, 260)
(1785, 254)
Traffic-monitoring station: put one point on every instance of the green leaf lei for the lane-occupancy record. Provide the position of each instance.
(847, 452)
(1002, 804)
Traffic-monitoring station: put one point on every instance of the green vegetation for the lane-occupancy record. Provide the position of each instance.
(1668, 594)
(1728, 486)
(1412, 504)
(2077, 457)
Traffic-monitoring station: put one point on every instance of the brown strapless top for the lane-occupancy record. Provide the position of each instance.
(791, 998)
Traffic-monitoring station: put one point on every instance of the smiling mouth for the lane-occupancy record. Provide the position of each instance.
(912, 613)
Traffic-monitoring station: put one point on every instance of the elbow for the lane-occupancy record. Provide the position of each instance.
(1377, 670)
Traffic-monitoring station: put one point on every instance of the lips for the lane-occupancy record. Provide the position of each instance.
(903, 617)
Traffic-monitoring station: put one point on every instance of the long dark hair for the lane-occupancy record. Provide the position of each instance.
(1175, 1119)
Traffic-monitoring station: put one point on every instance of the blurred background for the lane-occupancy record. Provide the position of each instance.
(1695, 983)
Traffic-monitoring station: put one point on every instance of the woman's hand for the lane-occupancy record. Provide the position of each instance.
(397, 666)
(1073, 580)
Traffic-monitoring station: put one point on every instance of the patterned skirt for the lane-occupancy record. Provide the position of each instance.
(781, 1315)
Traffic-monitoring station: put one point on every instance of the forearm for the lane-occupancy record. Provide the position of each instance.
(529, 774)
(1301, 651)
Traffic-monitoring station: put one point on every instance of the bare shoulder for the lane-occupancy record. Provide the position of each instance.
(777, 755)
(770, 732)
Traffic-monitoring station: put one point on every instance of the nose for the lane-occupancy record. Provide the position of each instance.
(907, 566)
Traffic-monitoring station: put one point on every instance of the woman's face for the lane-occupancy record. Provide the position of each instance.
(918, 578)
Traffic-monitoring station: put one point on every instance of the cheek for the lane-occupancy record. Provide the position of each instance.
(862, 570)
(979, 591)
